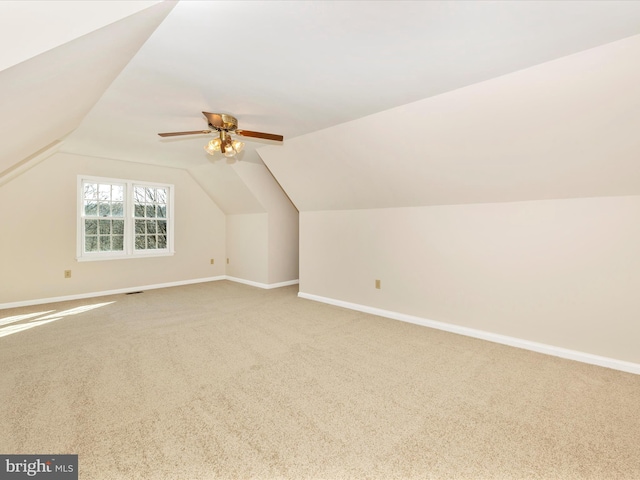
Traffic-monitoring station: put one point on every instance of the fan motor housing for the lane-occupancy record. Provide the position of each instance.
(222, 121)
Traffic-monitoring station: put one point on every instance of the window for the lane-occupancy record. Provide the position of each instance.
(123, 219)
(150, 217)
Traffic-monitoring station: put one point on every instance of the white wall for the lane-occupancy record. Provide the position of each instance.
(247, 247)
(564, 273)
(260, 246)
(283, 245)
(281, 229)
(38, 225)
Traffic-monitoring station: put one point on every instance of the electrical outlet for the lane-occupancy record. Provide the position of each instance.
(67, 274)
(212, 261)
(378, 284)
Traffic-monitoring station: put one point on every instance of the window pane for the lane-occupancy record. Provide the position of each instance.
(150, 195)
(105, 243)
(117, 193)
(117, 242)
(90, 208)
(104, 192)
(90, 243)
(162, 241)
(90, 191)
(162, 195)
(140, 227)
(118, 227)
(104, 210)
(139, 211)
(151, 241)
(140, 243)
(162, 227)
(138, 194)
(117, 209)
(91, 227)
(150, 211)
(162, 211)
(151, 226)
(105, 227)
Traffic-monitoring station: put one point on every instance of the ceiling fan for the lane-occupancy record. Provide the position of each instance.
(225, 125)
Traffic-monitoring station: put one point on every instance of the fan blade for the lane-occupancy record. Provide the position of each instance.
(174, 134)
(268, 136)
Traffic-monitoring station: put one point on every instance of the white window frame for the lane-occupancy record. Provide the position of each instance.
(129, 250)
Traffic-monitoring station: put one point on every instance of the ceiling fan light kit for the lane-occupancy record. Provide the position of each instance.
(225, 124)
(224, 144)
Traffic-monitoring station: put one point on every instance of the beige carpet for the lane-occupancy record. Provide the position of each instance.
(222, 380)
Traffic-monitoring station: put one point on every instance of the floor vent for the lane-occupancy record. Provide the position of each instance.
(132, 293)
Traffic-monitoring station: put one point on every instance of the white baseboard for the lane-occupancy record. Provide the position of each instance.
(267, 286)
(583, 357)
(81, 296)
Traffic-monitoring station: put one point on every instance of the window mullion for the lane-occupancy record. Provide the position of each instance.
(128, 223)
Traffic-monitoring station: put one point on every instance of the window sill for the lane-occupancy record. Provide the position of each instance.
(102, 257)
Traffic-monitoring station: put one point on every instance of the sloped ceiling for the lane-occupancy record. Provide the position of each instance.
(303, 68)
(34, 27)
(566, 128)
(46, 97)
